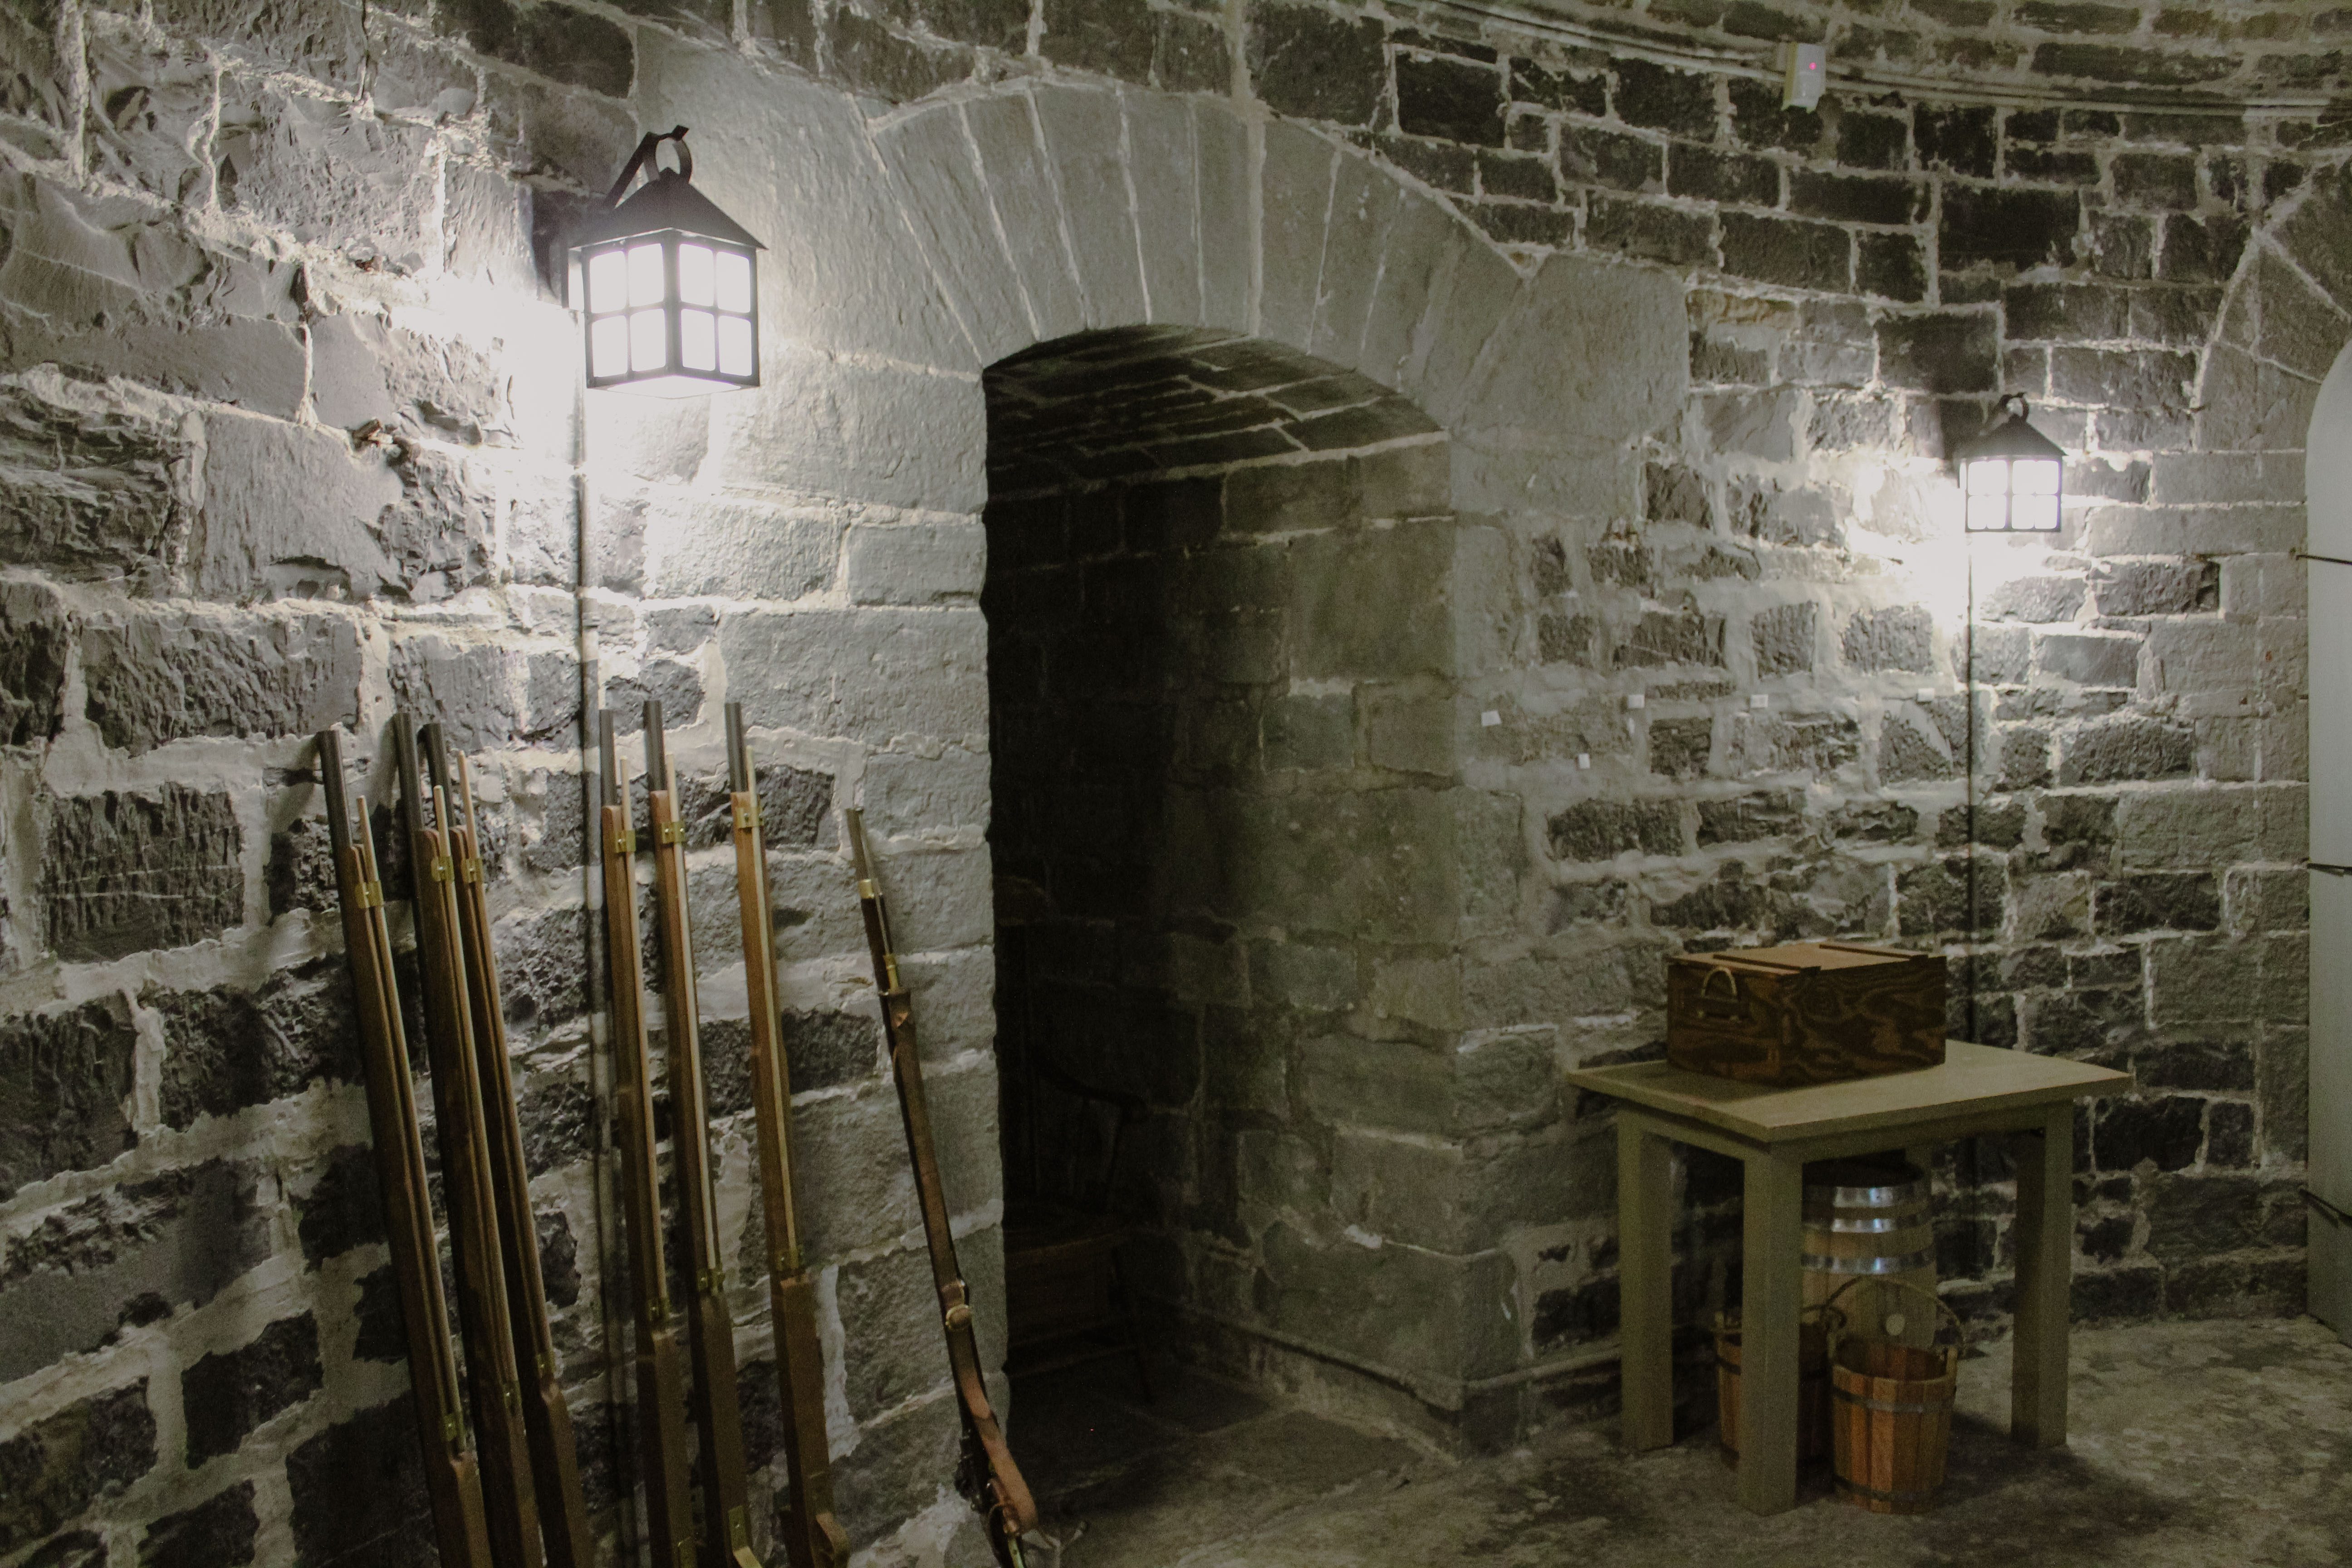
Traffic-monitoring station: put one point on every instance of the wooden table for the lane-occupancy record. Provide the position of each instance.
(1774, 1132)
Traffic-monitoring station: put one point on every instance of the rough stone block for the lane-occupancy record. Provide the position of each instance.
(1783, 638)
(1084, 138)
(58, 1466)
(2203, 980)
(1603, 830)
(2126, 748)
(874, 675)
(227, 1050)
(2088, 659)
(94, 483)
(65, 1079)
(1449, 97)
(1951, 352)
(1306, 62)
(293, 163)
(127, 1256)
(855, 429)
(229, 1394)
(739, 547)
(915, 563)
(153, 680)
(360, 1486)
(1900, 638)
(289, 511)
(474, 691)
(218, 1532)
(34, 637)
(122, 871)
(2019, 228)
(1794, 253)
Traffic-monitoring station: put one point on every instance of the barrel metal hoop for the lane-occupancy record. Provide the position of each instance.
(1819, 1219)
(1869, 1197)
(1903, 1264)
(1895, 1407)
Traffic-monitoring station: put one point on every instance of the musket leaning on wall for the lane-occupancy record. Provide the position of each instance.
(990, 1476)
(507, 1492)
(814, 1536)
(547, 1417)
(726, 1502)
(661, 1385)
(452, 1476)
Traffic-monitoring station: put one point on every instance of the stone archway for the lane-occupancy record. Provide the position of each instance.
(1226, 839)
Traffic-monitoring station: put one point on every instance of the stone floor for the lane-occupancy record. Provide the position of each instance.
(2204, 1444)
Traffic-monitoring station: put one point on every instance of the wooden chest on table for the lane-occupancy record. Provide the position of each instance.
(1810, 1012)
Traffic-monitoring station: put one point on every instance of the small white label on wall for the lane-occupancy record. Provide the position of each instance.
(1583, 759)
(1490, 718)
(1927, 694)
(1636, 700)
(1760, 700)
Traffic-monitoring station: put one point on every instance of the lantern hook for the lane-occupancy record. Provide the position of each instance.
(2007, 399)
(644, 156)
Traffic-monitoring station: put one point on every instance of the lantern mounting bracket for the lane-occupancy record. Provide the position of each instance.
(644, 155)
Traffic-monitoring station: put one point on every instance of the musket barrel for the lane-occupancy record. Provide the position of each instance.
(465, 1165)
(669, 1521)
(726, 1536)
(813, 1535)
(452, 1476)
(1006, 1502)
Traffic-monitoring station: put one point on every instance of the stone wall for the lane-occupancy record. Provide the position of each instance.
(292, 436)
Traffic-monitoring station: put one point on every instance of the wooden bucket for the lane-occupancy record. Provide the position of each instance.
(1812, 1382)
(1869, 1219)
(1891, 1410)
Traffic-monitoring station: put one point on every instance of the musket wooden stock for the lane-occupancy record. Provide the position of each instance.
(814, 1536)
(661, 1385)
(726, 1511)
(511, 1505)
(1010, 1513)
(452, 1479)
(547, 1417)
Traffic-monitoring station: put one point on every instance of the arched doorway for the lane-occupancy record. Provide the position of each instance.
(1223, 750)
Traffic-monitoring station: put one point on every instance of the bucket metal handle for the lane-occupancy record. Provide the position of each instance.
(1837, 1329)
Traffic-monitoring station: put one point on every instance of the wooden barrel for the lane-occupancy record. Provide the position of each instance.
(1890, 1416)
(1813, 1383)
(1869, 1219)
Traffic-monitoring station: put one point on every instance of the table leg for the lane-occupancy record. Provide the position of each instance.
(2045, 1260)
(1771, 1294)
(1645, 1282)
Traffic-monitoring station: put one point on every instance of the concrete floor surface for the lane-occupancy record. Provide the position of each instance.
(2202, 1445)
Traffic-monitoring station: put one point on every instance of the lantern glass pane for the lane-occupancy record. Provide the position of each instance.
(608, 281)
(1988, 477)
(608, 345)
(1987, 514)
(648, 340)
(647, 285)
(698, 341)
(734, 280)
(695, 282)
(2038, 513)
(735, 346)
(2035, 477)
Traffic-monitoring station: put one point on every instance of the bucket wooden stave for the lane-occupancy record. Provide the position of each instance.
(1891, 1409)
(1869, 1219)
(1812, 1383)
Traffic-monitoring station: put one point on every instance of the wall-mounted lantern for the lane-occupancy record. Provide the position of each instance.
(2011, 477)
(668, 283)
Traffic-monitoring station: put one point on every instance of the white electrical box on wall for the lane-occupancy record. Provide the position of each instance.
(1808, 67)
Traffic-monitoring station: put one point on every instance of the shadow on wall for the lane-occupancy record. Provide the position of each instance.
(1222, 683)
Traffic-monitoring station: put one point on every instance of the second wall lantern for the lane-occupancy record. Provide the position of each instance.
(668, 283)
(2011, 477)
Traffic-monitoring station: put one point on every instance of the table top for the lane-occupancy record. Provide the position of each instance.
(1972, 1078)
